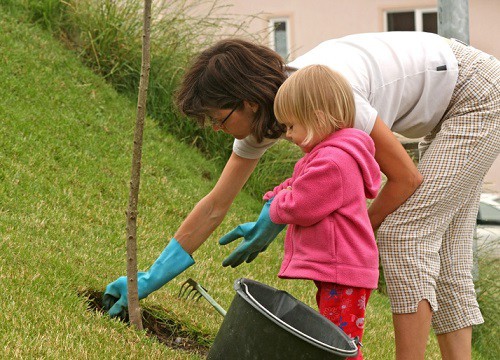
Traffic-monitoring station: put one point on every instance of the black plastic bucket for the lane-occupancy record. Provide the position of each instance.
(264, 323)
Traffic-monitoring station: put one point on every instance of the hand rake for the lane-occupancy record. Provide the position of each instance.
(191, 288)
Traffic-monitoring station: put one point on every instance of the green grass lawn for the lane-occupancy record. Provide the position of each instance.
(65, 154)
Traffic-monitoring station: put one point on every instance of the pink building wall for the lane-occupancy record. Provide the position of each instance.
(314, 21)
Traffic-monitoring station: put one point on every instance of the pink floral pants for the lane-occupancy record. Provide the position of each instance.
(345, 306)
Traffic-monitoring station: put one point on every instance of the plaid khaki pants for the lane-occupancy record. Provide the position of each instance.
(426, 244)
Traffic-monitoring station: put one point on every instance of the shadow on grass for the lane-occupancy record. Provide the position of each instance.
(167, 331)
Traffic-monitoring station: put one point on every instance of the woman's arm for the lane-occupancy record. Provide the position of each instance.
(210, 211)
(402, 175)
(195, 229)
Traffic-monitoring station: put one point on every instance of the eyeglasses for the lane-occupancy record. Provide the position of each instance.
(221, 123)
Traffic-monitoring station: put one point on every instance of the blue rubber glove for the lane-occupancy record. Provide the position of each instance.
(172, 261)
(257, 237)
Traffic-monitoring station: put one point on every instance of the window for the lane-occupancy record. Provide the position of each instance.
(280, 36)
(412, 20)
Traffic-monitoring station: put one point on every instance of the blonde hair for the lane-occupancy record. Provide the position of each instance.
(318, 98)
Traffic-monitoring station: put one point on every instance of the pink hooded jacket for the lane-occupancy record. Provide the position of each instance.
(329, 237)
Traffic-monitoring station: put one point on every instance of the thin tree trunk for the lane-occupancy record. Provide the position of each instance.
(134, 308)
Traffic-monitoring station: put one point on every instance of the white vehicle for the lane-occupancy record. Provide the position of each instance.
(488, 226)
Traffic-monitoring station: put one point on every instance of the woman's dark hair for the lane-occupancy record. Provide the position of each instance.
(229, 72)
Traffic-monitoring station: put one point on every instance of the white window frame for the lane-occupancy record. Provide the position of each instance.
(418, 13)
(272, 22)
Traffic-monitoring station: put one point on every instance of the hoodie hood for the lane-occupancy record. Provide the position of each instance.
(360, 147)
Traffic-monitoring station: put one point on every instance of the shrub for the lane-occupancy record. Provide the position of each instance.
(106, 35)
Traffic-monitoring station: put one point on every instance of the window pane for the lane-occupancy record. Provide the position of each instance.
(429, 22)
(401, 21)
(280, 45)
(280, 26)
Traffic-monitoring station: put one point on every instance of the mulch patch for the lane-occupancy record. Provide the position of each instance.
(166, 331)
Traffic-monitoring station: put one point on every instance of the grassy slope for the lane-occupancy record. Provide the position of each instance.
(65, 147)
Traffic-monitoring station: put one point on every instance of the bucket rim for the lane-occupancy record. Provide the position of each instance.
(242, 289)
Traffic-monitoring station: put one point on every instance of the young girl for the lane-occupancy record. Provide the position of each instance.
(330, 239)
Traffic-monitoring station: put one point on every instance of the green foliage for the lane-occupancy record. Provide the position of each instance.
(488, 295)
(106, 35)
(47, 13)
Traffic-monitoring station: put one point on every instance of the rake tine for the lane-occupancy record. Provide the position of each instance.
(191, 293)
(184, 287)
(188, 291)
(191, 288)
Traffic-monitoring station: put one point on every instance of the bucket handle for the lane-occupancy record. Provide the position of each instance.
(306, 337)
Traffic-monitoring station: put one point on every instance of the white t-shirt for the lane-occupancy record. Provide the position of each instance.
(405, 78)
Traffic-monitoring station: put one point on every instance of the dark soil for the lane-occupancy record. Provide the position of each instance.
(166, 330)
